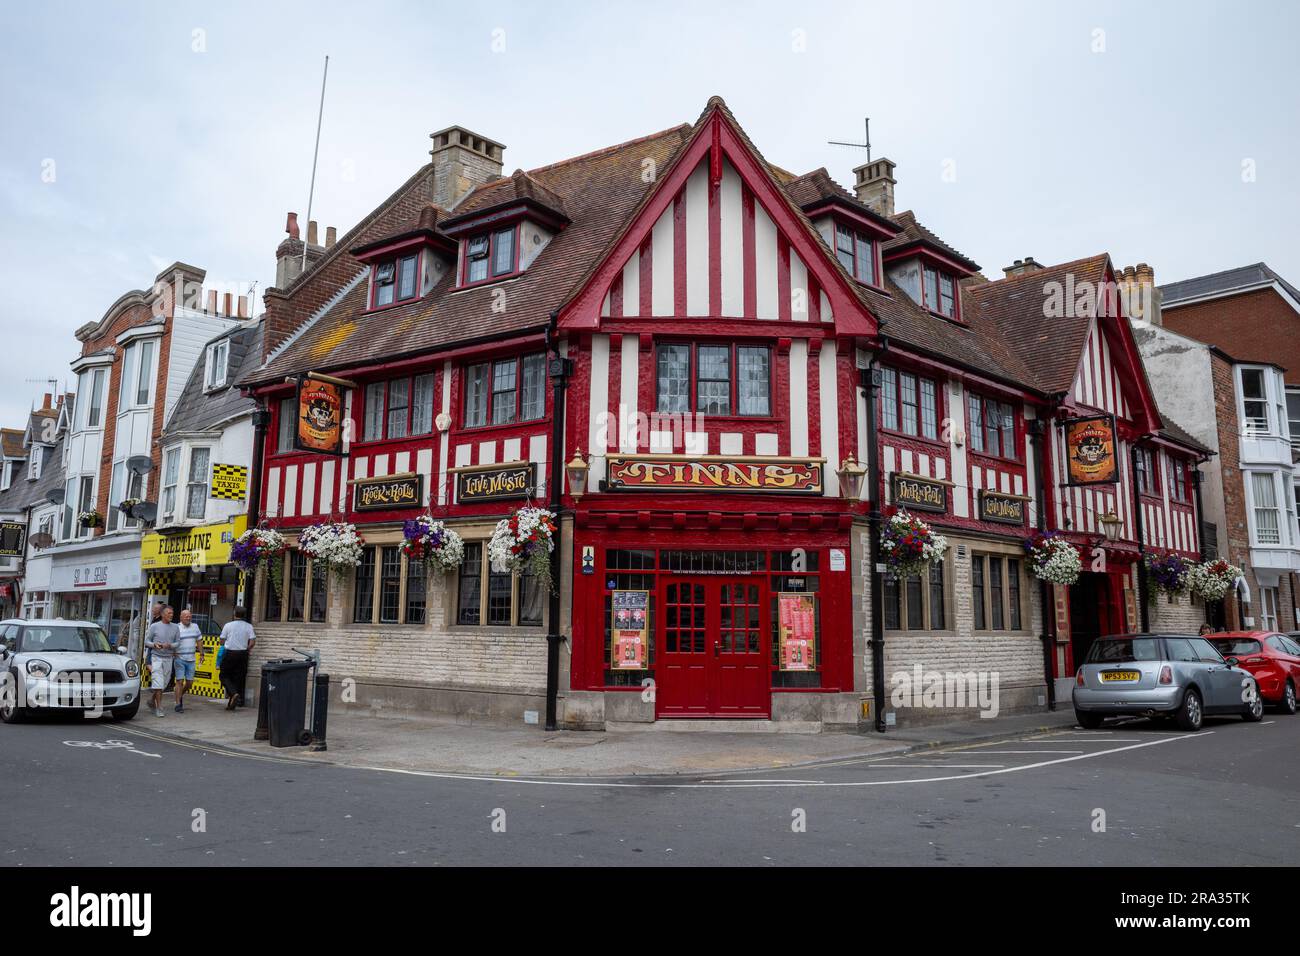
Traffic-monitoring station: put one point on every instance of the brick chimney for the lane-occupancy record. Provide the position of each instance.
(1138, 294)
(1021, 266)
(462, 160)
(874, 185)
(288, 254)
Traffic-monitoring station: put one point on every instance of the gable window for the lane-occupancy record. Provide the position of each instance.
(395, 281)
(1146, 473)
(728, 379)
(491, 256)
(171, 476)
(856, 253)
(940, 291)
(991, 426)
(218, 360)
(399, 408)
(505, 391)
(909, 404)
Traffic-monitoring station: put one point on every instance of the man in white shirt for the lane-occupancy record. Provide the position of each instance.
(237, 639)
(189, 645)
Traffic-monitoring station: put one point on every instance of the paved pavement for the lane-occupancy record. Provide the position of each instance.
(98, 793)
(406, 742)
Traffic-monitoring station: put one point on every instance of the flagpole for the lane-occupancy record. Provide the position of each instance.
(311, 194)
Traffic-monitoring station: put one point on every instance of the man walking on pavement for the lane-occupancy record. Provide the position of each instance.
(161, 640)
(189, 644)
(238, 639)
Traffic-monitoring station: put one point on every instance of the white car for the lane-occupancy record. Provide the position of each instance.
(64, 666)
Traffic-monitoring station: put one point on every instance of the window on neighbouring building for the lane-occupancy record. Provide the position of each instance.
(398, 408)
(991, 426)
(95, 404)
(1146, 471)
(1268, 524)
(397, 280)
(1268, 605)
(485, 596)
(996, 593)
(1254, 399)
(217, 362)
(288, 422)
(857, 253)
(940, 292)
(916, 603)
(85, 502)
(144, 377)
(34, 462)
(728, 379)
(171, 477)
(1178, 480)
(1293, 415)
(196, 486)
(491, 255)
(505, 391)
(909, 403)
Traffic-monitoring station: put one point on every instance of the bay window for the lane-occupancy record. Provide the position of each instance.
(1268, 523)
(505, 391)
(491, 255)
(1254, 401)
(95, 406)
(991, 426)
(196, 487)
(397, 280)
(856, 253)
(1293, 415)
(398, 408)
(909, 404)
(728, 379)
(171, 477)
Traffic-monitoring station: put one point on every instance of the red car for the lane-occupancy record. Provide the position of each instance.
(1273, 659)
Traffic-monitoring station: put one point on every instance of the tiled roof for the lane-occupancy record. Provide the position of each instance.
(519, 186)
(600, 190)
(1176, 432)
(11, 443)
(1218, 283)
(197, 409)
(818, 187)
(23, 493)
(913, 232)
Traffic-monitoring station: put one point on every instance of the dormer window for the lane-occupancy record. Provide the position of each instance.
(491, 256)
(856, 253)
(397, 280)
(217, 364)
(940, 290)
(34, 465)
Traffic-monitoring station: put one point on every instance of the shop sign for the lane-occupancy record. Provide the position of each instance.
(229, 482)
(630, 626)
(320, 417)
(674, 473)
(392, 491)
(1002, 508)
(1090, 450)
(797, 614)
(920, 494)
(11, 538)
(495, 482)
(588, 559)
(200, 547)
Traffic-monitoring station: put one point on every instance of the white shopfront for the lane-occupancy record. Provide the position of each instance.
(101, 584)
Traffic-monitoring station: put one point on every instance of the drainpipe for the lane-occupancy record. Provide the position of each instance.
(871, 383)
(559, 372)
(1138, 530)
(1036, 432)
(261, 421)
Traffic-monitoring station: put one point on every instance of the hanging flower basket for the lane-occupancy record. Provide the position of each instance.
(91, 519)
(127, 505)
(336, 544)
(1167, 573)
(523, 543)
(1212, 580)
(424, 539)
(261, 546)
(909, 546)
(1053, 559)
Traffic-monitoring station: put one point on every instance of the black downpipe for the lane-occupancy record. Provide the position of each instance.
(559, 382)
(873, 535)
(1140, 532)
(261, 420)
(1044, 589)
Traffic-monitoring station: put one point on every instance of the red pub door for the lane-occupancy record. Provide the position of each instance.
(714, 650)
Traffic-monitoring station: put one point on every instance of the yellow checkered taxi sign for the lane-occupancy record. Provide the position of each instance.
(230, 482)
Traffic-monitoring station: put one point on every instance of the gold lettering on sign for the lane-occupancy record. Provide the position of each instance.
(627, 473)
(920, 494)
(390, 493)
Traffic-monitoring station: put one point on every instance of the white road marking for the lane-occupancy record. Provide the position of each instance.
(936, 766)
(1001, 752)
(110, 745)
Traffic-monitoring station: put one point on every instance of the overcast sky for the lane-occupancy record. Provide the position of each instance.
(136, 134)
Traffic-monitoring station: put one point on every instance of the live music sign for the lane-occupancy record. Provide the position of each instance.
(677, 473)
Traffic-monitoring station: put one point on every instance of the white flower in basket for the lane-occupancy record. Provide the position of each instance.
(1053, 559)
(523, 543)
(336, 544)
(425, 539)
(1212, 580)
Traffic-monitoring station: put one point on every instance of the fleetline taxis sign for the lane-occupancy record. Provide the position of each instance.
(320, 417)
(1090, 450)
(673, 473)
(205, 546)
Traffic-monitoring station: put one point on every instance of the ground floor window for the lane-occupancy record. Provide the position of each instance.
(1268, 604)
(916, 603)
(488, 597)
(997, 590)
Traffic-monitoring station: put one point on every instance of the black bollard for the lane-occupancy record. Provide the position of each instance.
(320, 712)
(263, 731)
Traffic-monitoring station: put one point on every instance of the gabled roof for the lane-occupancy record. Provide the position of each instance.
(198, 410)
(11, 443)
(817, 188)
(519, 187)
(1230, 281)
(916, 234)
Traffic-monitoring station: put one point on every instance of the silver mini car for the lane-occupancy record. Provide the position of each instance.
(64, 666)
(1175, 676)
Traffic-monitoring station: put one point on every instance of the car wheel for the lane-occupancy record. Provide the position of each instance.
(127, 712)
(1088, 721)
(1190, 713)
(1254, 712)
(1288, 698)
(10, 712)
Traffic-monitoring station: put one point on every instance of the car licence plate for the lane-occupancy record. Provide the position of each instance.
(1108, 676)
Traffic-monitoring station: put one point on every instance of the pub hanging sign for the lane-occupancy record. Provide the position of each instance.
(495, 482)
(388, 492)
(920, 494)
(738, 473)
(1090, 450)
(1002, 508)
(320, 417)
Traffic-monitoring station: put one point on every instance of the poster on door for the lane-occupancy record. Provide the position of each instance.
(797, 614)
(630, 625)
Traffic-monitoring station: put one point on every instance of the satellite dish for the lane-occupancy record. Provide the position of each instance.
(55, 496)
(41, 540)
(145, 511)
(140, 464)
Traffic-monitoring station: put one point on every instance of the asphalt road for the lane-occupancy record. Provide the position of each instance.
(81, 793)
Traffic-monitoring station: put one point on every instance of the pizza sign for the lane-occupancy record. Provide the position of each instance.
(1090, 450)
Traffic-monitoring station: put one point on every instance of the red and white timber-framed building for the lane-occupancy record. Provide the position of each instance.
(734, 344)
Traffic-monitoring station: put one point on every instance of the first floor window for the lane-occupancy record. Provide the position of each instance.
(727, 379)
(485, 596)
(171, 476)
(505, 391)
(996, 593)
(909, 403)
(197, 484)
(991, 426)
(1146, 478)
(1268, 528)
(287, 425)
(398, 408)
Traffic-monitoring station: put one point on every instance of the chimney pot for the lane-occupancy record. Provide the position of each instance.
(462, 160)
(244, 306)
(48, 398)
(1021, 266)
(311, 232)
(212, 302)
(291, 225)
(874, 185)
(228, 305)
(331, 236)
